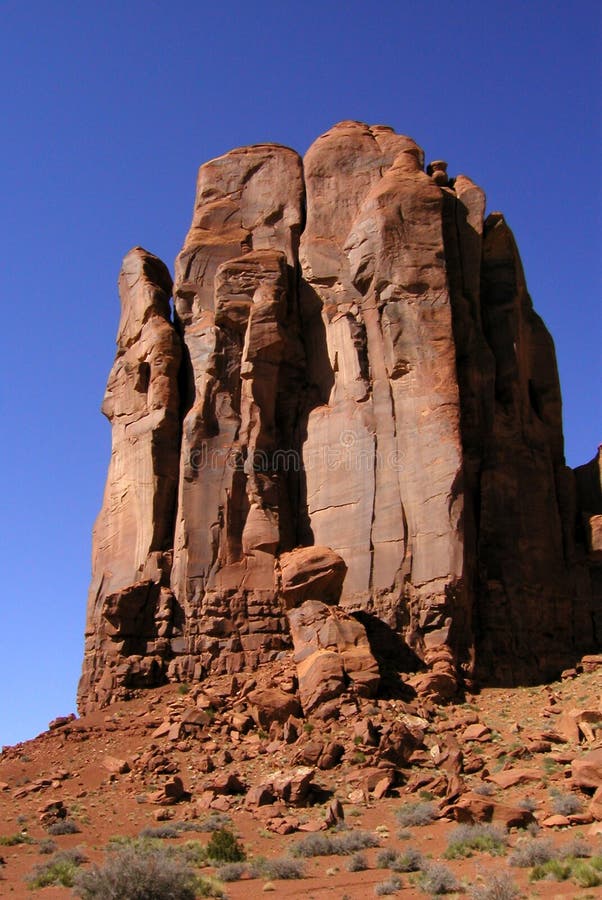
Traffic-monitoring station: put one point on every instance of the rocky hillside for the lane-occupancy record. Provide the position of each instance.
(494, 798)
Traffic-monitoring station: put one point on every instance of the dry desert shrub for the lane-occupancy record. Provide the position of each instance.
(163, 831)
(214, 822)
(313, 845)
(344, 843)
(496, 886)
(282, 868)
(407, 860)
(63, 826)
(438, 879)
(577, 848)
(416, 814)
(358, 863)
(531, 852)
(348, 842)
(484, 789)
(386, 888)
(386, 858)
(566, 804)
(467, 839)
(47, 846)
(232, 871)
(143, 874)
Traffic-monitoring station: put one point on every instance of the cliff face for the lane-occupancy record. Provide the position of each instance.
(355, 405)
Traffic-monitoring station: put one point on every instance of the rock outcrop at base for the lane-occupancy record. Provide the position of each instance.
(354, 420)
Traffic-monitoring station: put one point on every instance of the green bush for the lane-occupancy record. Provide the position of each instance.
(552, 870)
(191, 852)
(11, 840)
(588, 873)
(60, 870)
(225, 847)
(584, 872)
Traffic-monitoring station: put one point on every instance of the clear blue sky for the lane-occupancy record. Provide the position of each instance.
(108, 109)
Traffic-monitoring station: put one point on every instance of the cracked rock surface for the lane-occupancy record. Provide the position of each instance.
(345, 443)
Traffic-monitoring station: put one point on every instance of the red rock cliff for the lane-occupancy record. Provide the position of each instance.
(356, 405)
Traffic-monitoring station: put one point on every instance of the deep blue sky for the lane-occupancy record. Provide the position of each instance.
(108, 109)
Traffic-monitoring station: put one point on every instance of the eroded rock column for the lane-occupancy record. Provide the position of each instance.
(236, 303)
(129, 617)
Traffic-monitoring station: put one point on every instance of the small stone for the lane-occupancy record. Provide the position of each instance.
(116, 766)
(335, 813)
(476, 732)
(60, 721)
(511, 777)
(555, 821)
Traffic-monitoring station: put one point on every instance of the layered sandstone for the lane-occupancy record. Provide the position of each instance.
(352, 428)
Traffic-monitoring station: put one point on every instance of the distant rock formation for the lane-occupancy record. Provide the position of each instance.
(355, 405)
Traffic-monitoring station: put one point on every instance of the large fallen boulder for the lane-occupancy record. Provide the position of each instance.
(332, 653)
(272, 705)
(311, 573)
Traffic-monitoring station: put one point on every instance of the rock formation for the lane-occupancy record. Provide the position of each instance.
(348, 439)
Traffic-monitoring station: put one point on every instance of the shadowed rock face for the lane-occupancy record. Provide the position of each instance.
(355, 367)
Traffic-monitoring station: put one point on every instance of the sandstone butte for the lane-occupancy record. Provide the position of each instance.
(345, 444)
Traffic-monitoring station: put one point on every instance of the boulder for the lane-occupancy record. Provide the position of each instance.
(272, 705)
(311, 573)
(576, 724)
(472, 808)
(510, 777)
(173, 791)
(331, 650)
(291, 787)
(586, 770)
(116, 766)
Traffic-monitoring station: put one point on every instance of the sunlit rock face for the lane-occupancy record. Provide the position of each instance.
(354, 404)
